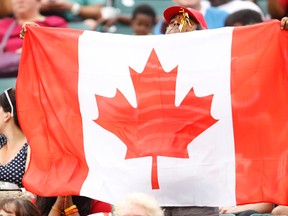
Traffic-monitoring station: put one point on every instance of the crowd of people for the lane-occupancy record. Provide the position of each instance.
(182, 16)
(143, 19)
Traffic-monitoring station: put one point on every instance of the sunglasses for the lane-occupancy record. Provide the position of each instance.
(9, 100)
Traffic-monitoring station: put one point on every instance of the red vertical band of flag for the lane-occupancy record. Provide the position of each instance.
(259, 73)
(48, 93)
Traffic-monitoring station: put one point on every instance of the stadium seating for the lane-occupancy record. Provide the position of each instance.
(7, 83)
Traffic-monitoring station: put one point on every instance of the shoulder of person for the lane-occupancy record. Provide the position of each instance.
(6, 21)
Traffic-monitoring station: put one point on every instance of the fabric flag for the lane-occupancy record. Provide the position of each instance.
(197, 118)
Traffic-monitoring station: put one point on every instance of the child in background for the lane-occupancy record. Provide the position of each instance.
(143, 20)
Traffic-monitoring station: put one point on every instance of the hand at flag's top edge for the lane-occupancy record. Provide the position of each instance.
(284, 23)
(23, 30)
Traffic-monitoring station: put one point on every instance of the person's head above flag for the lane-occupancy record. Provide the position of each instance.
(181, 19)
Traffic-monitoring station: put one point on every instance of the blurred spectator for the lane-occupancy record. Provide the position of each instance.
(79, 13)
(231, 6)
(143, 19)
(18, 207)
(243, 17)
(5, 8)
(138, 204)
(25, 11)
(277, 8)
(214, 17)
(84, 205)
(14, 149)
(74, 9)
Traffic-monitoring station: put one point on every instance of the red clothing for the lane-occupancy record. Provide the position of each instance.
(284, 4)
(15, 42)
(98, 206)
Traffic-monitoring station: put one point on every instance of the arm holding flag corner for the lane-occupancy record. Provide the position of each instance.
(23, 30)
(284, 23)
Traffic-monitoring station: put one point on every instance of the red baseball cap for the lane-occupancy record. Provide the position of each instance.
(173, 10)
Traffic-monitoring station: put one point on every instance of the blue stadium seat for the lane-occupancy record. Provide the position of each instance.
(263, 5)
(7, 83)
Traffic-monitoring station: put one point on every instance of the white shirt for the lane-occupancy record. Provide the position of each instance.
(236, 5)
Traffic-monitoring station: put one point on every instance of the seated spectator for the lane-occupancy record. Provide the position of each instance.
(14, 149)
(277, 8)
(214, 17)
(18, 207)
(79, 13)
(243, 18)
(23, 11)
(189, 19)
(143, 19)
(81, 205)
(138, 204)
(5, 8)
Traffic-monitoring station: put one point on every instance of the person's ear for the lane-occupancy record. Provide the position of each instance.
(7, 116)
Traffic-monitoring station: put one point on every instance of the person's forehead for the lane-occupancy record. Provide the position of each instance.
(142, 16)
(179, 15)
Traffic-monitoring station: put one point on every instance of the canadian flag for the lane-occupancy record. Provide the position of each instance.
(197, 118)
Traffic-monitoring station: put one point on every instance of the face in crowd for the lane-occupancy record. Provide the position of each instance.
(142, 24)
(175, 22)
(182, 19)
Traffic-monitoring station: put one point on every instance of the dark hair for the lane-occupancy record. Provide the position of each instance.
(144, 9)
(4, 103)
(216, 3)
(243, 17)
(45, 204)
(20, 207)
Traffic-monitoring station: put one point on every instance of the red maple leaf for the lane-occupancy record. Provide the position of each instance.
(156, 127)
